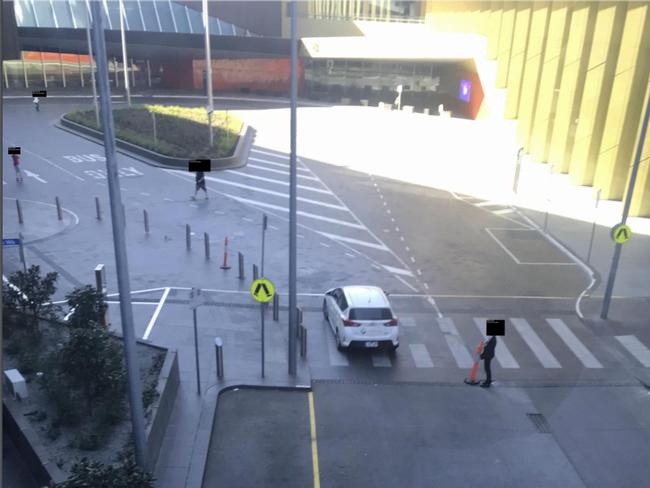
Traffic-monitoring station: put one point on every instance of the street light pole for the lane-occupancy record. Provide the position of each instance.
(208, 66)
(125, 61)
(293, 311)
(92, 65)
(119, 242)
(626, 209)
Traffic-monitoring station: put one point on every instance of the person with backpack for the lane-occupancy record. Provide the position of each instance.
(16, 160)
(200, 184)
(487, 355)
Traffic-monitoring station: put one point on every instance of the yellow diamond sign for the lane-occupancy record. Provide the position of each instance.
(262, 290)
(621, 233)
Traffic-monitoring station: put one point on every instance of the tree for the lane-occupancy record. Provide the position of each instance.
(88, 305)
(28, 292)
(96, 475)
(92, 362)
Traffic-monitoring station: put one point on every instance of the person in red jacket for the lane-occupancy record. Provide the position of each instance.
(487, 355)
(16, 160)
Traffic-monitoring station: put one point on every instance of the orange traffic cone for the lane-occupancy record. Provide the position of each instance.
(472, 375)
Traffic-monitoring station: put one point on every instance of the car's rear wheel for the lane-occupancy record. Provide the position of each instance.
(325, 310)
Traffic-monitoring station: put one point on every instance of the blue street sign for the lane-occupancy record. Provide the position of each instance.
(11, 242)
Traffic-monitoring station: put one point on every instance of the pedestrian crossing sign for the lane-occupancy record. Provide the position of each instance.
(621, 233)
(262, 290)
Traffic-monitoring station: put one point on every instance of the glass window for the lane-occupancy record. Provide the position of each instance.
(133, 16)
(44, 14)
(63, 14)
(72, 71)
(165, 15)
(149, 14)
(80, 12)
(114, 14)
(196, 19)
(24, 14)
(181, 18)
(371, 314)
(215, 27)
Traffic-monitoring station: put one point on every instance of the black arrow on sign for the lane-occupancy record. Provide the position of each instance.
(624, 231)
(262, 286)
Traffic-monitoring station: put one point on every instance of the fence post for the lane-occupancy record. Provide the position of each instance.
(303, 341)
(99, 212)
(240, 257)
(206, 240)
(146, 221)
(188, 240)
(255, 272)
(20, 211)
(218, 348)
(58, 208)
(276, 307)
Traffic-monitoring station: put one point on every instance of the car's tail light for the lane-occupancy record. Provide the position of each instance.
(350, 323)
(391, 323)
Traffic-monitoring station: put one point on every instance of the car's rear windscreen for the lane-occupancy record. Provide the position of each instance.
(371, 314)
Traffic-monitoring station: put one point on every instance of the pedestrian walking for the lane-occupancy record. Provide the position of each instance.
(200, 184)
(16, 160)
(487, 355)
(37, 103)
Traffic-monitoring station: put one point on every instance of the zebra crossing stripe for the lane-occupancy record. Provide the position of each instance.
(381, 360)
(535, 343)
(571, 340)
(502, 353)
(336, 357)
(421, 356)
(455, 343)
(636, 348)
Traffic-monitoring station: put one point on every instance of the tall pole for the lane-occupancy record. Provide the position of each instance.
(119, 242)
(292, 198)
(92, 66)
(208, 67)
(125, 61)
(626, 209)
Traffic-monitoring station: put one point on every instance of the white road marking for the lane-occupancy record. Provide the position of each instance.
(4, 182)
(54, 164)
(357, 242)
(247, 219)
(636, 348)
(503, 211)
(419, 272)
(385, 204)
(412, 259)
(535, 343)
(376, 266)
(279, 156)
(145, 194)
(324, 245)
(381, 196)
(300, 236)
(514, 258)
(34, 175)
(304, 214)
(455, 343)
(219, 212)
(401, 271)
(406, 283)
(396, 229)
(277, 182)
(502, 353)
(152, 321)
(279, 171)
(273, 227)
(392, 219)
(426, 285)
(271, 163)
(571, 340)
(381, 360)
(350, 255)
(388, 211)
(421, 356)
(408, 249)
(132, 302)
(486, 204)
(401, 238)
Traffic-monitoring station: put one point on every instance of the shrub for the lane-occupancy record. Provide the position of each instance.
(88, 305)
(30, 293)
(93, 474)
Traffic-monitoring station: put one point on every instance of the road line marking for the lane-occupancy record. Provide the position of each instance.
(406, 322)
(324, 245)
(271, 163)
(381, 196)
(385, 204)
(279, 156)
(247, 219)
(571, 340)
(388, 211)
(273, 227)
(278, 171)
(350, 255)
(277, 182)
(401, 238)
(636, 348)
(392, 219)
(155, 314)
(433, 302)
(350, 240)
(381, 360)
(314, 441)
(455, 343)
(145, 194)
(133, 303)
(536, 345)
(275, 193)
(406, 283)
(426, 285)
(503, 211)
(421, 356)
(486, 204)
(502, 353)
(304, 214)
(300, 236)
(419, 272)
(53, 164)
(412, 259)
(514, 258)
(408, 249)
(396, 229)
(401, 271)
(336, 357)
(376, 266)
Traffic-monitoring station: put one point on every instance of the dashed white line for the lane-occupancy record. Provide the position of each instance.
(324, 245)
(300, 236)
(145, 194)
(400, 271)
(247, 219)
(388, 211)
(406, 283)
(426, 286)
(273, 227)
(419, 272)
(408, 249)
(401, 238)
(350, 255)
(396, 229)
(412, 259)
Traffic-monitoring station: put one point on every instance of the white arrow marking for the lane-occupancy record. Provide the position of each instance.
(35, 176)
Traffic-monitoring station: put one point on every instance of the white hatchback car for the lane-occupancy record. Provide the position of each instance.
(361, 316)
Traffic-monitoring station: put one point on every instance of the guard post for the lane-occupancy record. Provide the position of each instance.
(240, 259)
(59, 213)
(276, 307)
(100, 283)
(218, 349)
(19, 208)
(303, 340)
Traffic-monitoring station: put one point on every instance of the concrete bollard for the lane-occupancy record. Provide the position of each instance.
(218, 349)
(426, 111)
(303, 341)
(188, 238)
(240, 258)
(255, 272)
(206, 242)
(19, 208)
(58, 208)
(98, 209)
(146, 221)
(276, 307)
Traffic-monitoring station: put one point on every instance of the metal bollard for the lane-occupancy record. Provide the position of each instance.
(299, 328)
(255, 272)
(299, 315)
(188, 240)
(206, 241)
(124, 214)
(20, 211)
(240, 257)
(99, 212)
(58, 208)
(218, 349)
(146, 221)
(276, 307)
(303, 341)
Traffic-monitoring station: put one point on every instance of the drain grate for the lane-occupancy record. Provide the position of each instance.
(540, 422)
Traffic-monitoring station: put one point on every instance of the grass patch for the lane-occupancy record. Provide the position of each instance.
(181, 132)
